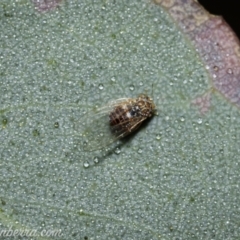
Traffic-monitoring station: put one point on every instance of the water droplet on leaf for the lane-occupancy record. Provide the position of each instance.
(199, 121)
(100, 86)
(131, 87)
(117, 151)
(140, 150)
(182, 119)
(96, 160)
(230, 71)
(86, 164)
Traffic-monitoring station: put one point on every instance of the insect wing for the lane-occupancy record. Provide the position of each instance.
(128, 126)
(97, 132)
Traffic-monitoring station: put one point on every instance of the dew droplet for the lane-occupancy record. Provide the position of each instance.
(100, 86)
(199, 121)
(117, 151)
(86, 164)
(216, 68)
(158, 137)
(230, 71)
(140, 150)
(182, 119)
(131, 87)
(96, 160)
(56, 124)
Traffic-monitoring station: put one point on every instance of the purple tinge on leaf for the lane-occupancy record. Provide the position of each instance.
(216, 43)
(46, 5)
(203, 102)
(219, 48)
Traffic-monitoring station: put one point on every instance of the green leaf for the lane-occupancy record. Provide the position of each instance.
(177, 177)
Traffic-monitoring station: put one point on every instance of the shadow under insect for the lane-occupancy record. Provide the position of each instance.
(102, 154)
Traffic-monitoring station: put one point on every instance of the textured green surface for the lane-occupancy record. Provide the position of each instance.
(177, 178)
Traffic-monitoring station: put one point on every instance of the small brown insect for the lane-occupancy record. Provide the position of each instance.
(116, 120)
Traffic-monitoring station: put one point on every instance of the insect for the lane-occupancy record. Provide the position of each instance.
(116, 120)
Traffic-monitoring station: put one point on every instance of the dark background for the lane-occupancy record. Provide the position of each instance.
(228, 9)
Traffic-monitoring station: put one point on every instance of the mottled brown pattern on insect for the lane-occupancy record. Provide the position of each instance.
(128, 117)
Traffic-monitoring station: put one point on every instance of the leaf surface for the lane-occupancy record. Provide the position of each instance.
(176, 177)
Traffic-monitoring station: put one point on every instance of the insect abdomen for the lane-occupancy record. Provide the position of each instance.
(118, 116)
